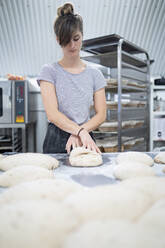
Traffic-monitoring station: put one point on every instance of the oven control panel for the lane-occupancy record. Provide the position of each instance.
(20, 101)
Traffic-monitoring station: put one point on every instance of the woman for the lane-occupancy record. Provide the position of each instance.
(68, 89)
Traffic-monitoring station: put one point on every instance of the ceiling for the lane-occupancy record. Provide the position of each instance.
(27, 40)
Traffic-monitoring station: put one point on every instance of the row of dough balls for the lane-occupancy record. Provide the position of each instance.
(33, 159)
(55, 213)
(79, 156)
(141, 157)
(123, 221)
(24, 167)
(32, 166)
(147, 232)
(136, 164)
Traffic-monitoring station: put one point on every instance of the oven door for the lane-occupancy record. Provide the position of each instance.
(5, 102)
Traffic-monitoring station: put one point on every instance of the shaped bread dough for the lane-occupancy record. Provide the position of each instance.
(160, 158)
(109, 203)
(118, 232)
(152, 186)
(34, 159)
(23, 174)
(124, 171)
(87, 235)
(1, 156)
(155, 216)
(32, 224)
(141, 157)
(52, 189)
(81, 156)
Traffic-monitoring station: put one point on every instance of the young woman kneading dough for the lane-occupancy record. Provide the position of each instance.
(68, 89)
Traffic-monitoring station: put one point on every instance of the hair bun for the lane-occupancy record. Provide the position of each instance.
(66, 9)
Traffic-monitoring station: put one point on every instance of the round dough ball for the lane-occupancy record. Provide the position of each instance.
(155, 217)
(23, 174)
(87, 235)
(117, 202)
(34, 159)
(81, 156)
(124, 171)
(139, 157)
(152, 186)
(1, 156)
(52, 189)
(119, 233)
(32, 224)
(160, 158)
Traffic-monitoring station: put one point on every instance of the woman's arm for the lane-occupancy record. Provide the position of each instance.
(96, 120)
(100, 109)
(49, 98)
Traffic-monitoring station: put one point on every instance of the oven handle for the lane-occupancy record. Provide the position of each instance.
(10, 95)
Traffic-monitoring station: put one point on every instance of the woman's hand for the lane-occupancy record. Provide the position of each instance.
(73, 141)
(87, 141)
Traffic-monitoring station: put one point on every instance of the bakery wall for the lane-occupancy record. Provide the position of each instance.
(27, 38)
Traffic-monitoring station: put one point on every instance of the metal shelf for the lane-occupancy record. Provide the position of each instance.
(135, 132)
(120, 55)
(6, 148)
(159, 87)
(159, 113)
(137, 147)
(126, 89)
(129, 114)
(19, 135)
(108, 43)
(126, 131)
(110, 60)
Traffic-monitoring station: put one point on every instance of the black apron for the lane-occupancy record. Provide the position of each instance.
(56, 139)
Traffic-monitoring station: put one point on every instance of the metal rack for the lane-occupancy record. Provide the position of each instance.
(15, 137)
(126, 61)
(157, 143)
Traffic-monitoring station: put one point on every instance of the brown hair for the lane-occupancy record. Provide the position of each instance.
(67, 23)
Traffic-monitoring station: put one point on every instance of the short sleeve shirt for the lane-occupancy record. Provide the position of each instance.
(74, 91)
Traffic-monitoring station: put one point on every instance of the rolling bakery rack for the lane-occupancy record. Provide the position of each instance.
(127, 91)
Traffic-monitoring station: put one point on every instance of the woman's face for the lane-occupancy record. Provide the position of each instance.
(72, 49)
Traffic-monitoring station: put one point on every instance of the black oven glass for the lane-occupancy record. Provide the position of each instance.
(1, 107)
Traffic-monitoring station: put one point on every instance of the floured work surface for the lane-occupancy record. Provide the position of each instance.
(92, 176)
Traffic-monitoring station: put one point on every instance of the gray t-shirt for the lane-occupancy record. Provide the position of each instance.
(74, 91)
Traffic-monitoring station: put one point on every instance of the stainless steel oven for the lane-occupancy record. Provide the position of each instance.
(14, 102)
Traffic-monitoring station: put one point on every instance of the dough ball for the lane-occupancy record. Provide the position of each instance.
(31, 224)
(23, 174)
(52, 189)
(81, 156)
(152, 186)
(124, 171)
(118, 233)
(34, 159)
(155, 217)
(160, 158)
(140, 157)
(109, 203)
(97, 234)
(1, 156)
